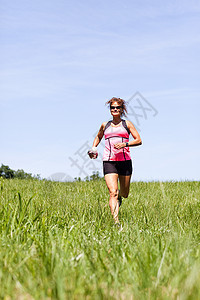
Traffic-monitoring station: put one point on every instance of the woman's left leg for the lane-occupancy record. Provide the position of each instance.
(124, 185)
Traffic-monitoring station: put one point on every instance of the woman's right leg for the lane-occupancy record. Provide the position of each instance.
(112, 184)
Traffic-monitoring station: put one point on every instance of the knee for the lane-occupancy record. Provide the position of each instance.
(114, 193)
(125, 194)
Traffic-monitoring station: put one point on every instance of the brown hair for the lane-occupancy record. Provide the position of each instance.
(121, 102)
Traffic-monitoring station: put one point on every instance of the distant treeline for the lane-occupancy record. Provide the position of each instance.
(8, 173)
(94, 176)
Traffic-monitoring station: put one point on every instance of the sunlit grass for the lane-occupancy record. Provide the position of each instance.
(58, 241)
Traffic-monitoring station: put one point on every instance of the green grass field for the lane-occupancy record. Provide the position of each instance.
(58, 241)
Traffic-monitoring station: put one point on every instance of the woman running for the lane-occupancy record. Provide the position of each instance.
(117, 162)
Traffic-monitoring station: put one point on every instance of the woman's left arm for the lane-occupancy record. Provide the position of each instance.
(137, 139)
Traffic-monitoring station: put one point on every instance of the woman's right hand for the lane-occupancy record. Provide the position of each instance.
(93, 154)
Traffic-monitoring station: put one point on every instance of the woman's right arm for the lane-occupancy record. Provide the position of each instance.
(99, 135)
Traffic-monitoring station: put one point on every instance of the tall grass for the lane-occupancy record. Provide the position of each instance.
(58, 241)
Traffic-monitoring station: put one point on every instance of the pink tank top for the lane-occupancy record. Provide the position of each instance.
(114, 135)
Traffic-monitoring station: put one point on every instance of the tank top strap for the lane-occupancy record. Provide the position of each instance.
(125, 126)
(107, 125)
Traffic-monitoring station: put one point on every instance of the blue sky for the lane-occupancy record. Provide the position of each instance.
(62, 60)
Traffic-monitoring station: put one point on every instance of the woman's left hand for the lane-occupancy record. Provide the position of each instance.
(120, 145)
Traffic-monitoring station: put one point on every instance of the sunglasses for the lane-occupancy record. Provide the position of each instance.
(113, 107)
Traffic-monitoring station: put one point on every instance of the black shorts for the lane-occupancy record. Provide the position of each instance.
(118, 167)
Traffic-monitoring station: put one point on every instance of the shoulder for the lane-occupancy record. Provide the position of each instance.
(132, 128)
(129, 124)
(103, 125)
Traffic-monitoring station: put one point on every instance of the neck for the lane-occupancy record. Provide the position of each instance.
(116, 120)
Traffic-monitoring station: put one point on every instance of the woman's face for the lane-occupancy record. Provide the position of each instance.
(115, 109)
